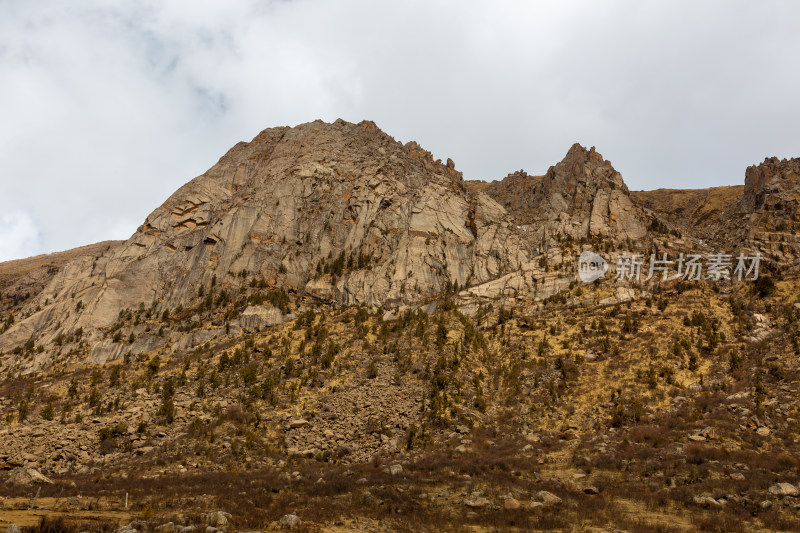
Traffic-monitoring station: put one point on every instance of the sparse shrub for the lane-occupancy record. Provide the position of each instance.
(153, 365)
(48, 413)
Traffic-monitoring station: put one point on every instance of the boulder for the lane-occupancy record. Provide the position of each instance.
(476, 500)
(290, 520)
(784, 489)
(548, 498)
(706, 501)
(511, 504)
(217, 519)
(298, 423)
(27, 476)
(394, 470)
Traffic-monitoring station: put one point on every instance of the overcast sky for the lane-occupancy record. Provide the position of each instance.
(107, 107)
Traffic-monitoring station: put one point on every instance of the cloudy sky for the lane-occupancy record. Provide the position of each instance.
(107, 107)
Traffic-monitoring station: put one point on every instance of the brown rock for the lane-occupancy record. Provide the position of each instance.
(511, 504)
(27, 476)
(580, 197)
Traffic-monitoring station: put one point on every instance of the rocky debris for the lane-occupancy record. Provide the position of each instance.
(27, 476)
(548, 498)
(784, 489)
(706, 500)
(137, 525)
(477, 500)
(621, 295)
(290, 520)
(12, 528)
(739, 396)
(702, 435)
(755, 424)
(345, 426)
(695, 387)
(217, 519)
(762, 328)
(531, 281)
(259, 318)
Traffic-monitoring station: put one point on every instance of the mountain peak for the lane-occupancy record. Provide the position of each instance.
(584, 166)
(338, 213)
(580, 197)
(772, 185)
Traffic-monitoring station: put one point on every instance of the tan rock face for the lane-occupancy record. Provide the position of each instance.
(340, 210)
(261, 317)
(774, 185)
(581, 197)
(585, 183)
(769, 210)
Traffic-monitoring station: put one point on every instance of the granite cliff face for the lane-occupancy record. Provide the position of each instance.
(581, 198)
(773, 186)
(341, 213)
(770, 210)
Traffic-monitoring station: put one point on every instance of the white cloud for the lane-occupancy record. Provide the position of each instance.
(109, 107)
(19, 236)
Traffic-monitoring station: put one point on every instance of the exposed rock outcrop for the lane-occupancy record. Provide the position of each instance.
(770, 209)
(259, 318)
(582, 197)
(772, 186)
(27, 476)
(340, 211)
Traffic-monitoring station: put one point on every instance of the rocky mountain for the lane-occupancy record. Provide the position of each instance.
(770, 207)
(582, 197)
(773, 186)
(331, 331)
(762, 216)
(341, 213)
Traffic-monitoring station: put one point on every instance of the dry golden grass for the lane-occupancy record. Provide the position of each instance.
(613, 422)
(692, 208)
